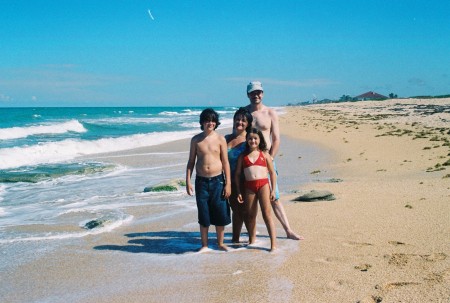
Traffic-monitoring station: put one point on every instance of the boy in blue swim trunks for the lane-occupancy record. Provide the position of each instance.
(208, 153)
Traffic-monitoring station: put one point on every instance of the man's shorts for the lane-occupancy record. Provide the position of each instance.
(213, 208)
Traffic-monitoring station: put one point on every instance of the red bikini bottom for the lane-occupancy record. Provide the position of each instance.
(256, 185)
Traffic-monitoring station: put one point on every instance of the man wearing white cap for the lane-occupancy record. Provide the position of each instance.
(266, 120)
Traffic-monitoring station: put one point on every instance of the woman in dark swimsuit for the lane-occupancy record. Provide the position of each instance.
(236, 142)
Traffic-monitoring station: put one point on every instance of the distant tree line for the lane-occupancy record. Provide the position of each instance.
(431, 97)
(392, 96)
(347, 98)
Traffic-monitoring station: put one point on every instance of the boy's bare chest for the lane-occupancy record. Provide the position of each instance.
(208, 148)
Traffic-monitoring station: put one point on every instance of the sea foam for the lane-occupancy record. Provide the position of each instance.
(71, 235)
(130, 120)
(55, 128)
(54, 152)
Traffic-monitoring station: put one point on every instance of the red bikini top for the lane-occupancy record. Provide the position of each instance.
(260, 161)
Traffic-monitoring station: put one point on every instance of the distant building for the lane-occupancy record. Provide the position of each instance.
(370, 96)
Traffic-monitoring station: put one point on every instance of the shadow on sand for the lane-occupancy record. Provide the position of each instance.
(162, 242)
(168, 242)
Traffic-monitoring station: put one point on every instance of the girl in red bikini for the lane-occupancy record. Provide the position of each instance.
(256, 162)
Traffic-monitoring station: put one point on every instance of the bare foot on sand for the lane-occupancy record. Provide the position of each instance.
(203, 249)
(224, 247)
(272, 249)
(293, 236)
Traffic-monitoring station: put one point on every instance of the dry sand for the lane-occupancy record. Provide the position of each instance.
(386, 236)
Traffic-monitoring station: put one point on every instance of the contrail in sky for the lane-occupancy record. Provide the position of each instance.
(150, 14)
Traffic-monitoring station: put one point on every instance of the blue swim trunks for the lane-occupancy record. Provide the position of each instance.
(213, 208)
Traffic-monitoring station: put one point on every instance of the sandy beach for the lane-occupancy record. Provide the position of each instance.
(385, 237)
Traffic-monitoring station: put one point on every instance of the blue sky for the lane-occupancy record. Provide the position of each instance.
(203, 53)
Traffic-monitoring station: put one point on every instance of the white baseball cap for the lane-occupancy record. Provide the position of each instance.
(254, 85)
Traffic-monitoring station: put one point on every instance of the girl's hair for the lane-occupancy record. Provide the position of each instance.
(262, 142)
(243, 112)
(207, 115)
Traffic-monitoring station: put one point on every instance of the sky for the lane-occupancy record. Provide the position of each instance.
(204, 53)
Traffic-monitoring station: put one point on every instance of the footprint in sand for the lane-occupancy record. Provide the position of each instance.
(396, 243)
(363, 267)
(324, 260)
(356, 244)
(384, 289)
(438, 277)
(434, 257)
(393, 285)
(399, 260)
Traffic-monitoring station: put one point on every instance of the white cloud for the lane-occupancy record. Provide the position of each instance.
(5, 98)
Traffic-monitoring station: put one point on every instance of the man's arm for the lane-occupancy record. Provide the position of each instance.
(274, 133)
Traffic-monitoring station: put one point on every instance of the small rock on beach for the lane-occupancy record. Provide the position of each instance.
(316, 195)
